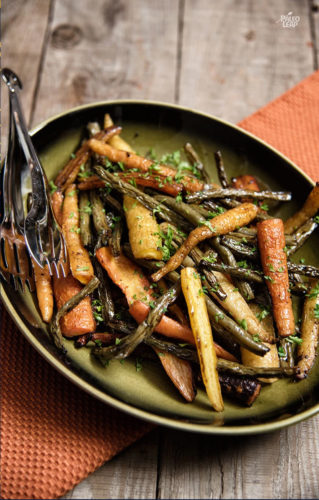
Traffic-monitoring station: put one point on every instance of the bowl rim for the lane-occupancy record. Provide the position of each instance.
(71, 373)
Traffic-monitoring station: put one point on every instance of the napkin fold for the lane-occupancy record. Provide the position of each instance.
(52, 433)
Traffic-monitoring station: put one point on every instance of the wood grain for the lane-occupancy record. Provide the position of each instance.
(278, 465)
(314, 26)
(23, 38)
(236, 56)
(113, 50)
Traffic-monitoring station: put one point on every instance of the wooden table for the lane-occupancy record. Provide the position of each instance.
(227, 58)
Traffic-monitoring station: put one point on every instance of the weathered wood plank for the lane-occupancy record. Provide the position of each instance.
(279, 465)
(314, 23)
(23, 32)
(114, 50)
(237, 56)
(132, 474)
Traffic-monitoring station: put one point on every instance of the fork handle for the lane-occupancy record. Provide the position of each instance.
(40, 200)
(14, 85)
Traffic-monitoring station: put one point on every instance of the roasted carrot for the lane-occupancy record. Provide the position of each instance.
(80, 262)
(222, 224)
(180, 372)
(131, 160)
(196, 305)
(271, 243)
(309, 209)
(79, 320)
(156, 182)
(44, 291)
(309, 331)
(247, 182)
(57, 203)
(143, 230)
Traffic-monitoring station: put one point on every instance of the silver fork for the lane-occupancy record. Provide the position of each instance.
(41, 233)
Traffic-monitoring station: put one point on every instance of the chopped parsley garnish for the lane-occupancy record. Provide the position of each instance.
(219, 316)
(179, 198)
(262, 314)
(84, 173)
(53, 187)
(138, 364)
(243, 264)
(243, 324)
(293, 339)
(210, 258)
(208, 224)
(316, 311)
(281, 352)
(269, 278)
(217, 211)
(314, 292)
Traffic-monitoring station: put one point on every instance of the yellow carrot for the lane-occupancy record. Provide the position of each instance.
(143, 230)
(196, 305)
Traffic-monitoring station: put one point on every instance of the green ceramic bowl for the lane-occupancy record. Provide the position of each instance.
(148, 393)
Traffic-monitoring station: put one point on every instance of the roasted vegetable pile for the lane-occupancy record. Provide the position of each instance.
(165, 264)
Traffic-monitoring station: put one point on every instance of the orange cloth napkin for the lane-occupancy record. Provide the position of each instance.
(53, 434)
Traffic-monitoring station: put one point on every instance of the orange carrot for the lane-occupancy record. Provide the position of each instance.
(222, 224)
(80, 319)
(271, 243)
(57, 202)
(125, 274)
(247, 182)
(44, 290)
(131, 160)
(309, 209)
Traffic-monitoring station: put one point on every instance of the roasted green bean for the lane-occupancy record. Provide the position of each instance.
(209, 194)
(127, 344)
(236, 272)
(229, 259)
(85, 215)
(221, 170)
(104, 292)
(194, 159)
(100, 220)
